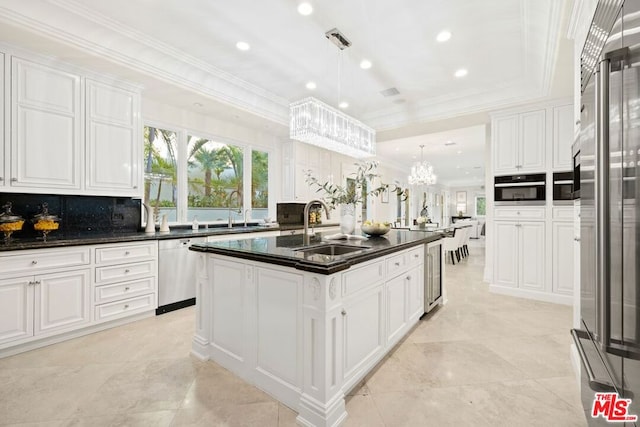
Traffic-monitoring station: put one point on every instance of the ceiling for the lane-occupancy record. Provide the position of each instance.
(184, 53)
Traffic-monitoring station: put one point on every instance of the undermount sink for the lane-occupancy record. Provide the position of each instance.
(331, 249)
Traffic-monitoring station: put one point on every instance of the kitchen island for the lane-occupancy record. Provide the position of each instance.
(307, 323)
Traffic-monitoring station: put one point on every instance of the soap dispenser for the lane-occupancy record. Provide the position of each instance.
(195, 224)
(164, 226)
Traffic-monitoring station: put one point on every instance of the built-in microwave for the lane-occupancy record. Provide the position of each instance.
(562, 188)
(522, 189)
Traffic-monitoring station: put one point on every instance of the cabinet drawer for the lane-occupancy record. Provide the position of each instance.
(415, 256)
(126, 253)
(124, 308)
(119, 291)
(396, 264)
(562, 213)
(519, 213)
(42, 259)
(118, 273)
(359, 278)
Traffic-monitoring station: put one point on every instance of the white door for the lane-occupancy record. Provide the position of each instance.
(531, 255)
(505, 253)
(397, 310)
(562, 254)
(62, 300)
(45, 127)
(532, 141)
(114, 150)
(505, 140)
(562, 137)
(16, 309)
(363, 325)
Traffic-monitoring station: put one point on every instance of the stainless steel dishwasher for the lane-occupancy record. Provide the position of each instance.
(176, 274)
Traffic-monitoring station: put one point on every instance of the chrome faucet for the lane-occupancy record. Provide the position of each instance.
(245, 216)
(229, 205)
(306, 217)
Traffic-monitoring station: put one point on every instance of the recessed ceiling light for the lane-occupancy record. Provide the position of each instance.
(467, 172)
(397, 148)
(243, 45)
(305, 9)
(443, 36)
(365, 64)
(197, 104)
(343, 105)
(461, 72)
(459, 151)
(448, 143)
(311, 85)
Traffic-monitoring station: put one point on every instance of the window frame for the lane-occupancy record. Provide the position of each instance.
(182, 139)
(475, 205)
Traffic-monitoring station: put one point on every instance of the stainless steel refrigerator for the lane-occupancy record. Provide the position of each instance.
(608, 340)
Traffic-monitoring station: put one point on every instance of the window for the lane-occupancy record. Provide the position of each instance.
(189, 176)
(160, 172)
(214, 180)
(481, 206)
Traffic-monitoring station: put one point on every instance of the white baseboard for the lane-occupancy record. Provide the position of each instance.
(536, 295)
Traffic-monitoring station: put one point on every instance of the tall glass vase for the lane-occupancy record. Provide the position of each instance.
(348, 218)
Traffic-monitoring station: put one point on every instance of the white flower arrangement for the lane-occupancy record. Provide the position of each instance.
(421, 220)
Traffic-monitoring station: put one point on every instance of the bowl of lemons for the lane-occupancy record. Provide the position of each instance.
(375, 228)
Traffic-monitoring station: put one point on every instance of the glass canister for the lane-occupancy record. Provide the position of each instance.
(9, 222)
(45, 222)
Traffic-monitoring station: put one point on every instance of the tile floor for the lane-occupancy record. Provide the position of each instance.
(481, 360)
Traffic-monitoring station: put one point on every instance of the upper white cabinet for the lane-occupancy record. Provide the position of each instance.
(519, 142)
(298, 158)
(45, 123)
(114, 151)
(3, 135)
(562, 137)
(67, 132)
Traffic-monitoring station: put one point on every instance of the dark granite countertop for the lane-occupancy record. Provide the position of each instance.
(284, 250)
(60, 239)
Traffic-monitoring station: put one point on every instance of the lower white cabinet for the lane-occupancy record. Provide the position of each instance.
(519, 254)
(49, 294)
(562, 253)
(36, 305)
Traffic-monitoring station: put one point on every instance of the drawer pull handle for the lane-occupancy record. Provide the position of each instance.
(1, 179)
(344, 312)
(126, 306)
(14, 179)
(408, 277)
(126, 270)
(126, 289)
(416, 256)
(126, 252)
(397, 264)
(34, 262)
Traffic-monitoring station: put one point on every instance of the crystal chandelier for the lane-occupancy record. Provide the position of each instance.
(316, 123)
(422, 172)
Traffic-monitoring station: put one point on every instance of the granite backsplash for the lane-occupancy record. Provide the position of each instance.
(78, 214)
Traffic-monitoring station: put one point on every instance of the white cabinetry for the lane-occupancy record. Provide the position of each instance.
(298, 158)
(562, 250)
(4, 137)
(125, 280)
(519, 248)
(47, 294)
(46, 144)
(114, 151)
(519, 142)
(562, 137)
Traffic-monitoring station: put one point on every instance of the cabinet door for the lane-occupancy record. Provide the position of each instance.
(397, 310)
(532, 142)
(562, 253)
(562, 137)
(505, 141)
(505, 253)
(16, 309)
(415, 291)
(4, 143)
(531, 255)
(114, 150)
(45, 127)
(363, 325)
(62, 300)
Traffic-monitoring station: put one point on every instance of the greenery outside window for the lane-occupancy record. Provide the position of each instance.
(189, 176)
(481, 205)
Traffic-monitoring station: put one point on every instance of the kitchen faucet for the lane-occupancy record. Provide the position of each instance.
(229, 205)
(306, 237)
